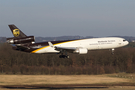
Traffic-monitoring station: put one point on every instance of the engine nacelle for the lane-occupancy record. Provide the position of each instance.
(81, 51)
(23, 40)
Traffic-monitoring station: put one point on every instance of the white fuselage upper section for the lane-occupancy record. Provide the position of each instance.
(89, 44)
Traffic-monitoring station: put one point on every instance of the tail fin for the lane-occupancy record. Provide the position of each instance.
(16, 31)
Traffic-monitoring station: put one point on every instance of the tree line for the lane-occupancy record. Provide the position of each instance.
(95, 62)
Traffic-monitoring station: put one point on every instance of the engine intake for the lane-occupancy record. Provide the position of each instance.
(23, 40)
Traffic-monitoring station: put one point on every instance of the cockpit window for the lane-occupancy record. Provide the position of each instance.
(124, 40)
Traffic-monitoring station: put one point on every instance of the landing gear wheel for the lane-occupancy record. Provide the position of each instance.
(61, 56)
(67, 56)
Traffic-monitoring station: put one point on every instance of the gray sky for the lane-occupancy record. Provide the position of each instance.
(48, 18)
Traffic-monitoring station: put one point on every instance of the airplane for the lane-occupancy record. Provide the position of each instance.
(25, 43)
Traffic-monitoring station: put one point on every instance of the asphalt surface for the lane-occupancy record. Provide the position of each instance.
(68, 86)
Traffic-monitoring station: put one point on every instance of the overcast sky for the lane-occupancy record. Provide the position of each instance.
(50, 18)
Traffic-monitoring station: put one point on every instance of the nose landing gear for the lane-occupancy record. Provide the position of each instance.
(113, 51)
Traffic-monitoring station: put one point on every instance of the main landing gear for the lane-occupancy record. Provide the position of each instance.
(63, 56)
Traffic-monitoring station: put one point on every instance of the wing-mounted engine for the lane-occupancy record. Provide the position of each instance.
(22, 40)
(81, 51)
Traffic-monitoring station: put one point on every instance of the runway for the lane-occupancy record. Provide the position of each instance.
(68, 86)
(53, 87)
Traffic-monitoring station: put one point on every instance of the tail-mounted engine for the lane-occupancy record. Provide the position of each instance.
(22, 40)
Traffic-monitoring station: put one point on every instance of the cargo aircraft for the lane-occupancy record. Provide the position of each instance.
(25, 43)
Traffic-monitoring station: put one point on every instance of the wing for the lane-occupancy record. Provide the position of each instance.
(58, 48)
(79, 50)
(68, 49)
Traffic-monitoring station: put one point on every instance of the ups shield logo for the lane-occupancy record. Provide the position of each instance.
(16, 32)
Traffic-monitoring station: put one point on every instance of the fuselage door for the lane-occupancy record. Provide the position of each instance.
(120, 43)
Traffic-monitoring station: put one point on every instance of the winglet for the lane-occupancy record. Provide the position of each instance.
(50, 44)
